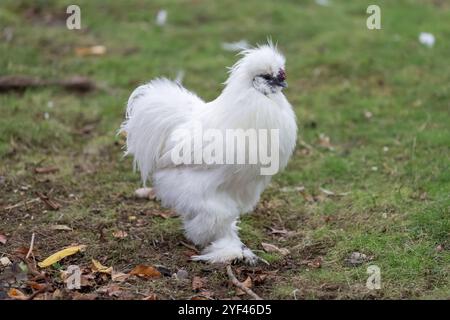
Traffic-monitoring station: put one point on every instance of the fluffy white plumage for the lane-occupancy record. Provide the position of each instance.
(211, 198)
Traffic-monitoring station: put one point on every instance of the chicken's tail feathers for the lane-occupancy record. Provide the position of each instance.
(153, 111)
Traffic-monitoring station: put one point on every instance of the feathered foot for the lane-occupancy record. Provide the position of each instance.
(227, 250)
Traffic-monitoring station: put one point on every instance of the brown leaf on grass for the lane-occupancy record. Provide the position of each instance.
(61, 227)
(119, 276)
(36, 286)
(325, 141)
(281, 232)
(162, 214)
(3, 239)
(198, 283)
(273, 248)
(247, 283)
(151, 296)
(120, 234)
(87, 280)
(146, 272)
(204, 295)
(45, 170)
(57, 295)
(308, 198)
(112, 290)
(315, 263)
(17, 294)
(98, 267)
(84, 296)
(259, 279)
(97, 50)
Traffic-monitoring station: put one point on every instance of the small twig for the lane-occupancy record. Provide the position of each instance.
(189, 247)
(30, 250)
(49, 202)
(44, 289)
(306, 145)
(295, 293)
(22, 203)
(240, 285)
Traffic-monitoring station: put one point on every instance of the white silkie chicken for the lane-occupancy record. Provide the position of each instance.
(210, 198)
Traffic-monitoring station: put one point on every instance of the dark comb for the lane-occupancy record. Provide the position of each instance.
(281, 75)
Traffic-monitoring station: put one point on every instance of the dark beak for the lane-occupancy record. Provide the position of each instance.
(280, 83)
(283, 84)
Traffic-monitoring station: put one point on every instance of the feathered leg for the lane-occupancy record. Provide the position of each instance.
(220, 238)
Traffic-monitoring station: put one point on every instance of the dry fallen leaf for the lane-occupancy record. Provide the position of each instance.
(145, 272)
(315, 263)
(282, 232)
(90, 51)
(259, 279)
(273, 248)
(98, 267)
(119, 276)
(61, 227)
(4, 261)
(247, 283)
(2, 239)
(120, 234)
(151, 296)
(87, 280)
(17, 294)
(57, 295)
(163, 214)
(60, 255)
(325, 141)
(88, 296)
(112, 290)
(36, 286)
(198, 283)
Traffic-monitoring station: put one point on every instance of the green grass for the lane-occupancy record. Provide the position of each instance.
(394, 165)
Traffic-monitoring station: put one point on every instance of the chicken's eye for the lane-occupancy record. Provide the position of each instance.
(267, 76)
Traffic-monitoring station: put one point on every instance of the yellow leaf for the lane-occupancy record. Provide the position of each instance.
(98, 267)
(60, 255)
